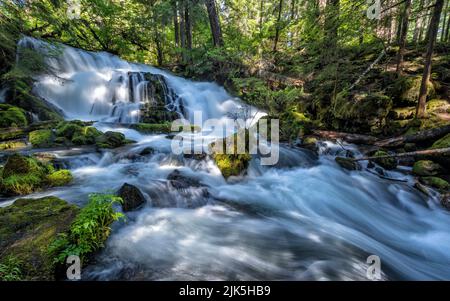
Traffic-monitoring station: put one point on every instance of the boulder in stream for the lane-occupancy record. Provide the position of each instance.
(426, 168)
(110, 140)
(132, 197)
(347, 163)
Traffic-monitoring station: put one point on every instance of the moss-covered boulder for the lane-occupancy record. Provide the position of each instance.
(427, 168)
(442, 143)
(386, 163)
(59, 178)
(23, 175)
(110, 140)
(347, 163)
(27, 228)
(11, 116)
(435, 182)
(231, 162)
(41, 138)
(405, 90)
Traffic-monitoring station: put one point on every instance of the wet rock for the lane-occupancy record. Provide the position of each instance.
(178, 181)
(147, 151)
(310, 142)
(386, 163)
(435, 182)
(27, 229)
(426, 168)
(347, 163)
(132, 197)
(110, 140)
(445, 200)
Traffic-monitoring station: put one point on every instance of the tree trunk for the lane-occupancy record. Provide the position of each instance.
(444, 23)
(188, 25)
(159, 51)
(434, 24)
(427, 152)
(399, 29)
(278, 26)
(216, 30)
(331, 26)
(419, 22)
(403, 37)
(176, 25)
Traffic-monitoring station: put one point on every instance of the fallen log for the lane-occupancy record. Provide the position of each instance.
(432, 134)
(352, 138)
(427, 152)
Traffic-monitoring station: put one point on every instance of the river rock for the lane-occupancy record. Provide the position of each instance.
(27, 229)
(386, 163)
(426, 168)
(347, 163)
(132, 197)
(179, 181)
(111, 140)
(435, 182)
(445, 200)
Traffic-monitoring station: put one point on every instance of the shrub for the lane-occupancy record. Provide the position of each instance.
(89, 230)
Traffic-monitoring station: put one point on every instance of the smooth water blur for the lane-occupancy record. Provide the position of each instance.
(302, 219)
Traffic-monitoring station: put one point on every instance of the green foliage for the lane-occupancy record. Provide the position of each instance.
(11, 116)
(442, 143)
(41, 138)
(10, 269)
(89, 230)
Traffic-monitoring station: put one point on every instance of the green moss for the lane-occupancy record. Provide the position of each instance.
(442, 143)
(12, 145)
(41, 138)
(405, 90)
(387, 163)
(11, 116)
(23, 175)
(436, 182)
(27, 228)
(152, 128)
(110, 140)
(426, 168)
(59, 178)
(231, 163)
(68, 129)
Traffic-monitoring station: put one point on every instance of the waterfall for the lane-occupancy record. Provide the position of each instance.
(102, 87)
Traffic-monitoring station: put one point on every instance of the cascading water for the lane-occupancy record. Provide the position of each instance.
(304, 219)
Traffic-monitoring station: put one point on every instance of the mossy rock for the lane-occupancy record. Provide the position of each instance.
(23, 175)
(27, 228)
(230, 162)
(405, 90)
(110, 140)
(427, 168)
(386, 163)
(435, 182)
(68, 129)
(11, 116)
(41, 138)
(59, 178)
(442, 143)
(347, 163)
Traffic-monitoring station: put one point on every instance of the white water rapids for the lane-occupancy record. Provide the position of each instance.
(304, 219)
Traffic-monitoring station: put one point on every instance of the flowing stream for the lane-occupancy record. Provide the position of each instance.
(302, 219)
